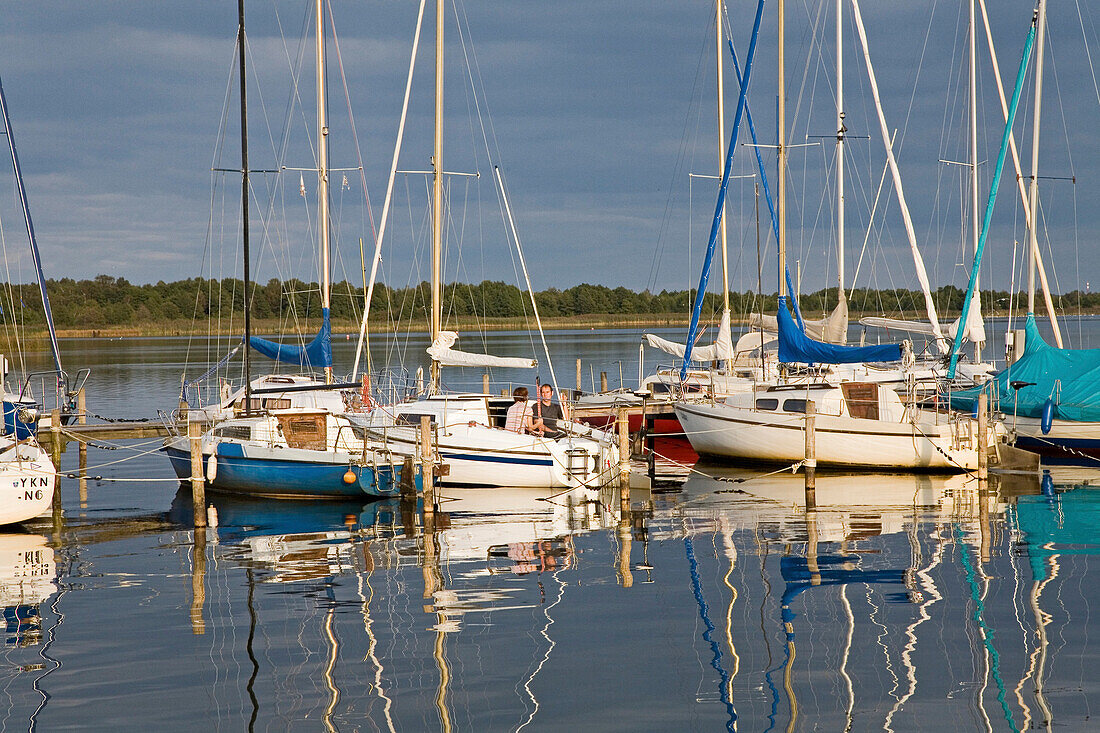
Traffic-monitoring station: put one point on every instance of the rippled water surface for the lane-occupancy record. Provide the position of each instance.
(903, 602)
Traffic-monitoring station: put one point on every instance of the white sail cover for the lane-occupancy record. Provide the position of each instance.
(720, 350)
(975, 333)
(441, 351)
(832, 329)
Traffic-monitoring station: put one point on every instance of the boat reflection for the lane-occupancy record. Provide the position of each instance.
(28, 578)
(342, 577)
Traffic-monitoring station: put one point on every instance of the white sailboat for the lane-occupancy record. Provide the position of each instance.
(470, 428)
(859, 423)
(27, 475)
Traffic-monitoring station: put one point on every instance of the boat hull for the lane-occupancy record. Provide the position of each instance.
(27, 482)
(479, 456)
(241, 468)
(726, 432)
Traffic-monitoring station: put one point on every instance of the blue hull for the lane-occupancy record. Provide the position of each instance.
(294, 479)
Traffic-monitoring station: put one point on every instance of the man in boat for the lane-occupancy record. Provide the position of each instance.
(547, 414)
(519, 414)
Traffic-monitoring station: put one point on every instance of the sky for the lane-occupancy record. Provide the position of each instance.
(598, 114)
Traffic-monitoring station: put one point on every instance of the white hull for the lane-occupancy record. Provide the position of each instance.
(27, 480)
(733, 432)
(476, 455)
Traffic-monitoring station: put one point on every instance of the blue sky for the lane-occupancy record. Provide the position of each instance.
(597, 114)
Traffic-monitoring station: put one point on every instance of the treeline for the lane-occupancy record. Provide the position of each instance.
(109, 301)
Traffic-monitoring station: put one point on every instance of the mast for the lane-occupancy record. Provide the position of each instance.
(1033, 194)
(840, 132)
(781, 187)
(722, 161)
(322, 170)
(437, 197)
(55, 350)
(974, 156)
(244, 215)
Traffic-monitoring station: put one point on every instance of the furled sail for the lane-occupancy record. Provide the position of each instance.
(441, 351)
(317, 354)
(833, 329)
(795, 346)
(720, 350)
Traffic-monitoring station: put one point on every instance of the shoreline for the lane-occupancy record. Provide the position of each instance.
(557, 323)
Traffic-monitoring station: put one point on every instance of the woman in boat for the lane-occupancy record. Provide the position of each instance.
(519, 414)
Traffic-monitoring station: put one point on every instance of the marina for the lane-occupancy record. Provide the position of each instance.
(350, 487)
(716, 597)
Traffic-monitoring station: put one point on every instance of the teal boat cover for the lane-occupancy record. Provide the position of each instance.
(1069, 378)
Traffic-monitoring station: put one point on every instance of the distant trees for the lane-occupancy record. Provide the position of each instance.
(106, 301)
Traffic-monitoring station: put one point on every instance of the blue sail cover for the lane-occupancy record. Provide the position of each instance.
(317, 354)
(1069, 377)
(796, 346)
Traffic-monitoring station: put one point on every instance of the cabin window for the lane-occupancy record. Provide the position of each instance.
(238, 432)
(413, 418)
(277, 403)
(659, 388)
(794, 406)
(767, 404)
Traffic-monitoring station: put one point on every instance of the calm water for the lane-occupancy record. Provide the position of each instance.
(903, 603)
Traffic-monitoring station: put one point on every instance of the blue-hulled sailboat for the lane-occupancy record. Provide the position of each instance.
(268, 442)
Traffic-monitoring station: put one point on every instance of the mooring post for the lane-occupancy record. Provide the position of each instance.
(55, 438)
(622, 425)
(603, 381)
(427, 472)
(485, 382)
(983, 439)
(198, 483)
(579, 376)
(82, 451)
(809, 467)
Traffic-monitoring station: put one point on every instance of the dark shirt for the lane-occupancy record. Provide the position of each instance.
(550, 415)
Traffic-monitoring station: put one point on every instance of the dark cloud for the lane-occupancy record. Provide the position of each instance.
(596, 112)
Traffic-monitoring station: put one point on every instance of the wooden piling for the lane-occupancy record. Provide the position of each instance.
(485, 382)
(427, 470)
(198, 483)
(983, 439)
(82, 450)
(622, 425)
(603, 381)
(55, 437)
(579, 389)
(809, 467)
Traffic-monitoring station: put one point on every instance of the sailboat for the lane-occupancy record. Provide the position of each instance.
(269, 441)
(27, 475)
(1049, 394)
(857, 423)
(470, 433)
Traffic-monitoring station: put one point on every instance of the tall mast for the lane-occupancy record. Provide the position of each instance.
(840, 132)
(974, 153)
(437, 195)
(781, 198)
(1033, 194)
(244, 215)
(722, 156)
(322, 169)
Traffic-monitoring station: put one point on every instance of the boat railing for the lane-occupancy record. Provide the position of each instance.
(39, 386)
